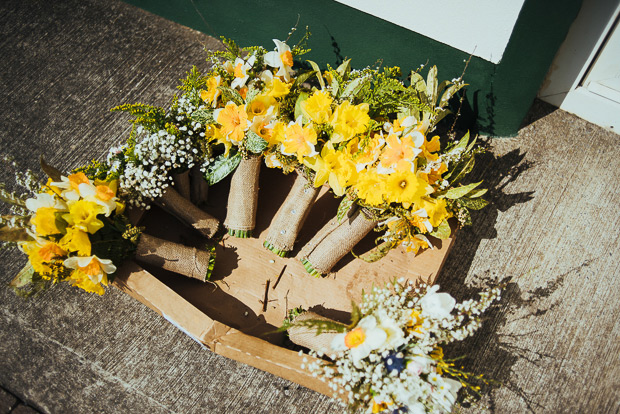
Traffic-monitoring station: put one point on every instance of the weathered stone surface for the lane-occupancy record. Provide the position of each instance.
(7, 401)
(551, 234)
(24, 409)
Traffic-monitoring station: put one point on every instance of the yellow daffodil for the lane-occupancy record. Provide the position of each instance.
(415, 243)
(370, 186)
(240, 70)
(406, 187)
(261, 105)
(368, 154)
(212, 93)
(282, 59)
(435, 208)
(299, 141)
(76, 241)
(349, 120)
(33, 250)
(429, 147)
(81, 280)
(83, 215)
(435, 172)
(275, 135)
(333, 167)
(419, 219)
(44, 221)
(399, 154)
(234, 121)
(274, 87)
(317, 107)
(92, 266)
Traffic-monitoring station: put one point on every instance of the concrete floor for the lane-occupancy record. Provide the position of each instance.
(551, 234)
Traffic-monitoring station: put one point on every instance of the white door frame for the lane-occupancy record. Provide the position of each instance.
(565, 85)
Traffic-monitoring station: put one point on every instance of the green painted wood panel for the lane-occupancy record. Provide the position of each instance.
(498, 95)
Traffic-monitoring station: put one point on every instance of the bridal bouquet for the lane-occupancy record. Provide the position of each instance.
(72, 228)
(391, 357)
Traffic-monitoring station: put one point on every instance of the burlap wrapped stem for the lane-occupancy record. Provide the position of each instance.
(291, 215)
(180, 207)
(243, 198)
(174, 257)
(334, 241)
(307, 337)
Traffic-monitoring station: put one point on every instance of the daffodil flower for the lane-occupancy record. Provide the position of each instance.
(234, 121)
(282, 59)
(70, 185)
(212, 93)
(240, 70)
(317, 107)
(45, 200)
(92, 266)
(349, 120)
(299, 141)
(361, 340)
(406, 187)
(399, 153)
(419, 219)
(436, 209)
(370, 186)
(334, 167)
(416, 242)
(395, 336)
(83, 215)
(274, 87)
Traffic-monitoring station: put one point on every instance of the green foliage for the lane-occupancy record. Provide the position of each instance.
(149, 116)
(194, 81)
(254, 142)
(442, 231)
(28, 283)
(221, 167)
(344, 207)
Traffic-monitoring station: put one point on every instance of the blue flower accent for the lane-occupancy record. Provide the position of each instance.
(395, 361)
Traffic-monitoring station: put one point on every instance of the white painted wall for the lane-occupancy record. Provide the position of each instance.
(478, 27)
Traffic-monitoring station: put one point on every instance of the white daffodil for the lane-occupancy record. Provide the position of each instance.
(437, 305)
(45, 200)
(240, 70)
(395, 335)
(101, 195)
(361, 340)
(92, 266)
(282, 59)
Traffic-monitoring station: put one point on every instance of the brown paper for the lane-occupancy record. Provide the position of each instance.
(184, 260)
(308, 338)
(291, 215)
(181, 184)
(243, 196)
(184, 210)
(335, 240)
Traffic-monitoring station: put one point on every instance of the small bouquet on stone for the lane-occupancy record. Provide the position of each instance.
(390, 358)
(247, 92)
(73, 229)
(380, 155)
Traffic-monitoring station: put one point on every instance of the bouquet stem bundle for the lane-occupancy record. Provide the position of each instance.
(334, 241)
(291, 216)
(243, 198)
(186, 211)
(186, 261)
(307, 336)
(181, 184)
(199, 186)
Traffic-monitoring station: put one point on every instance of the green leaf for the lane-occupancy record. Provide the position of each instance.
(303, 77)
(229, 94)
(431, 85)
(221, 167)
(318, 73)
(12, 234)
(356, 315)
(462, 143)
(51, 172)
(254, 142)
(458, 192)
(61, 223)
(298, 112)
(252, 93)
(23, 278)
(344, 68)
(442, 231)
(466, 169)
(473, 203)
(478, 192)
(378, 252)
(204, 116)
(344, 207)
(354, 87)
